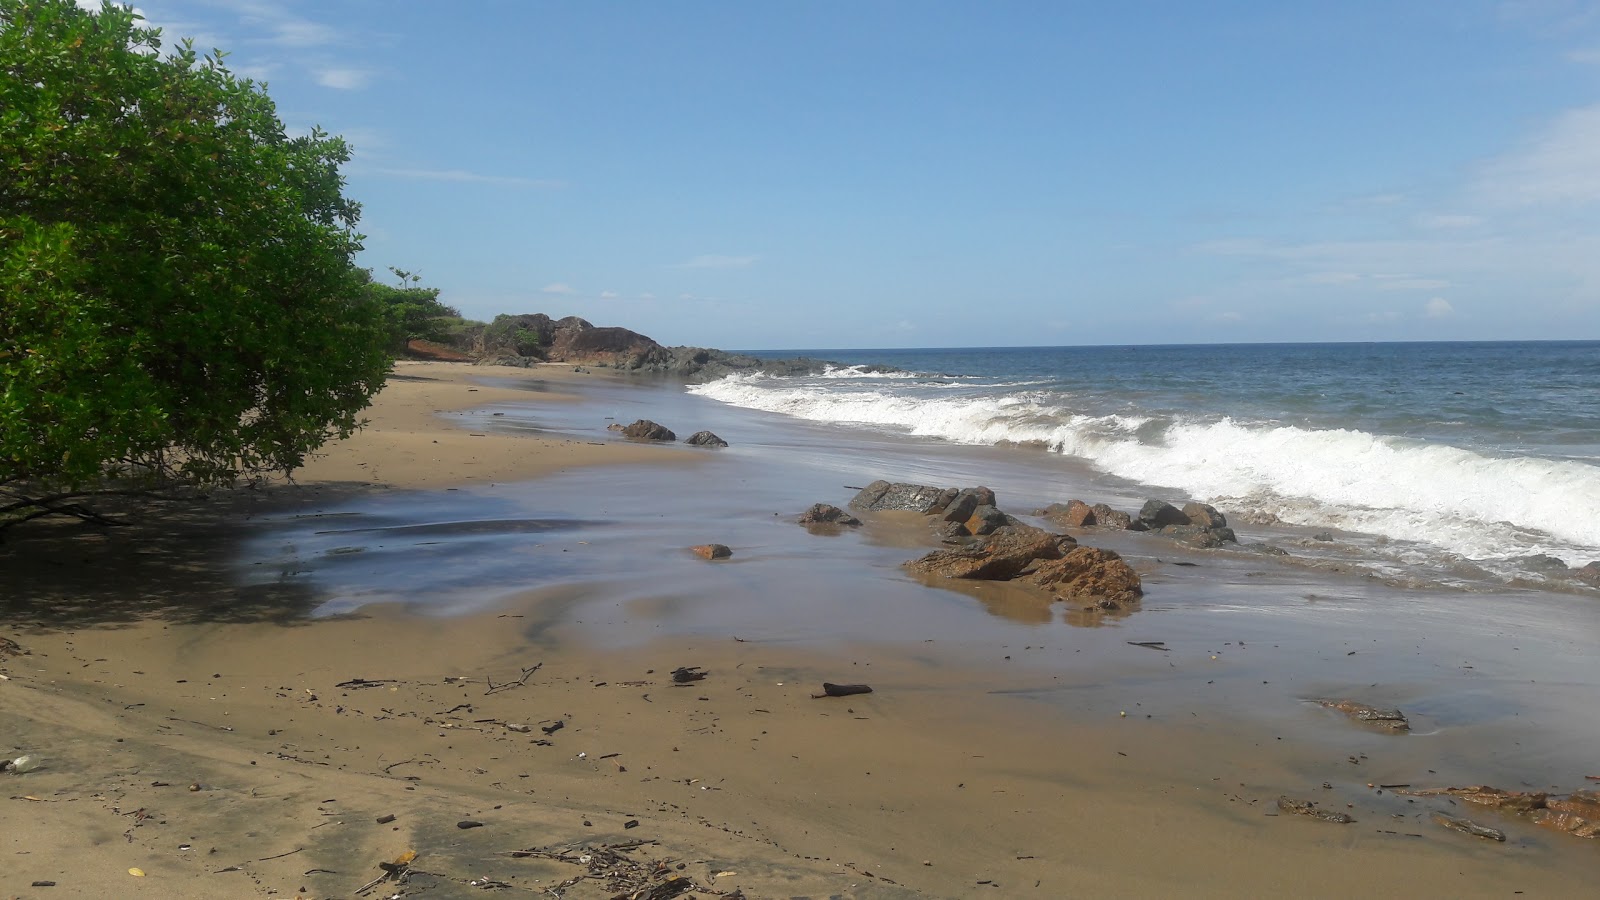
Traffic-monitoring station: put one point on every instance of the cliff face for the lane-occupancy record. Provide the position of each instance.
(523, 340)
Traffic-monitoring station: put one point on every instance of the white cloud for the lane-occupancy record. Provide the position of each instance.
(1559, 166)
(465, 176)
(344, 79)
(1587, 57)
(647, 296)
(716, 261)
(1439, 308)
(608, 295)
(1331, 278)
(558, 288)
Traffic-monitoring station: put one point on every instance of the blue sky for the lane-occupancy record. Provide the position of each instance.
(902, 174)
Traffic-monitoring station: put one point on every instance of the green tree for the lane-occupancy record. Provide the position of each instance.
(178, 298)
(412, 312)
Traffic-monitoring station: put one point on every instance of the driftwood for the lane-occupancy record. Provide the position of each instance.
(829, 689)
(509, 685)
(686, 674)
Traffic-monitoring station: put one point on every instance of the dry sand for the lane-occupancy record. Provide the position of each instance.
(214, 739)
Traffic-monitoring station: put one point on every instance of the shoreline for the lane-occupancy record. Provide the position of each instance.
(950, 761)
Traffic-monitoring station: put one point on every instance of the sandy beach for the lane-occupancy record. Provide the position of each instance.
(204, 734)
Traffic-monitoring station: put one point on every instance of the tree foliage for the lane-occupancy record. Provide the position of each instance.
(412, 312)
(177, 290)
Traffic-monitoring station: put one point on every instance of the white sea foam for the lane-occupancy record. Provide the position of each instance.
(1478, 506)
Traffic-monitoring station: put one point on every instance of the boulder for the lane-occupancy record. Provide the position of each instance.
(1589, 574)
(826, 514)
(646, 430)
(1577, 814)
(1000, 556)
(1158, 514)
(1072, 514)
(986, 519)
(705, 439)
(966, 502)
(1200, 537)
(712, 551)
(883, 495)
(1089, 574)
(1204, 515)
(1106, 517)
(952, 533)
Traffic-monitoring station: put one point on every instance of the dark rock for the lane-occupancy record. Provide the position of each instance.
(1267, 549)
(1309, 808)
(646, 430)
(999, 557)
(1323, 536)
(712, 551)
(883, 495)
(1106, 517)
(1204, 515)
(1158, 514)
(1543, 562)
(985, 519)
(1192, 536)
(1467, 826)
(1387, 719)
(705, 439)
(966, 502)
(1589, 574)
(825, 514)
(1089, 574)
(953, 533)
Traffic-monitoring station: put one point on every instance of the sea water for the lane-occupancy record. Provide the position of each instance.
(1485, 453)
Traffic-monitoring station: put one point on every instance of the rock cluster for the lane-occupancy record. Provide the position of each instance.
(991, 545)
(1577, 813)
(646, 430)
(1195, 525)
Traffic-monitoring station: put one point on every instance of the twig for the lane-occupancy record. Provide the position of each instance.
(495, 689)
(282, 855)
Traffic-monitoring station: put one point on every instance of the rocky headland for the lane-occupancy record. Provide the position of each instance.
(530, 339)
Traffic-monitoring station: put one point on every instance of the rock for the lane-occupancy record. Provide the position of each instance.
(712, 551)
(1158, 514)
(1267, 549)
(646, 430)
(1089, 574)
(1323, 536)
(999, 557)
(1196, 536)
(953, 533)
(826, 514)
(966, 502)
(883, 495)
(1577, 814)
(1309, 808)
(1543, 562)
(1204, 515)
(704, 439)
(1387, 719)
(1483, 795)
(1074, 514)
(986, 519)
(1467, 826)
(1589, 574)
(1106, 517)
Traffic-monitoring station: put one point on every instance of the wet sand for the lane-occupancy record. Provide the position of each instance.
(217, 647)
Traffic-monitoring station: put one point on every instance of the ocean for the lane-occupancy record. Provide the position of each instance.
(1475, 460)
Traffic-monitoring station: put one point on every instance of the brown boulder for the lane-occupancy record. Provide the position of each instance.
(1106, 517)
(884, 495)
(1388, 719)
(1089, 574)
(704, 439)
(1589, 574)
(1158, 514)
(712, 551)
(966, 502)
(1204, 515)
(646, 430)
(999, 557)
(1073, 514)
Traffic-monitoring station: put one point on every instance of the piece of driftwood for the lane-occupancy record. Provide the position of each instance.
(829, 689)
(686, 674)
(509, 685)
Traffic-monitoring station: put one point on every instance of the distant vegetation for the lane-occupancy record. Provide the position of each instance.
(178, 298)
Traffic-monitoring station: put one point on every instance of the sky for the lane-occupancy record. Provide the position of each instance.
(929, 174)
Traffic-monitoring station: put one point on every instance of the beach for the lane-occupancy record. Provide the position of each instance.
(455, 635)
